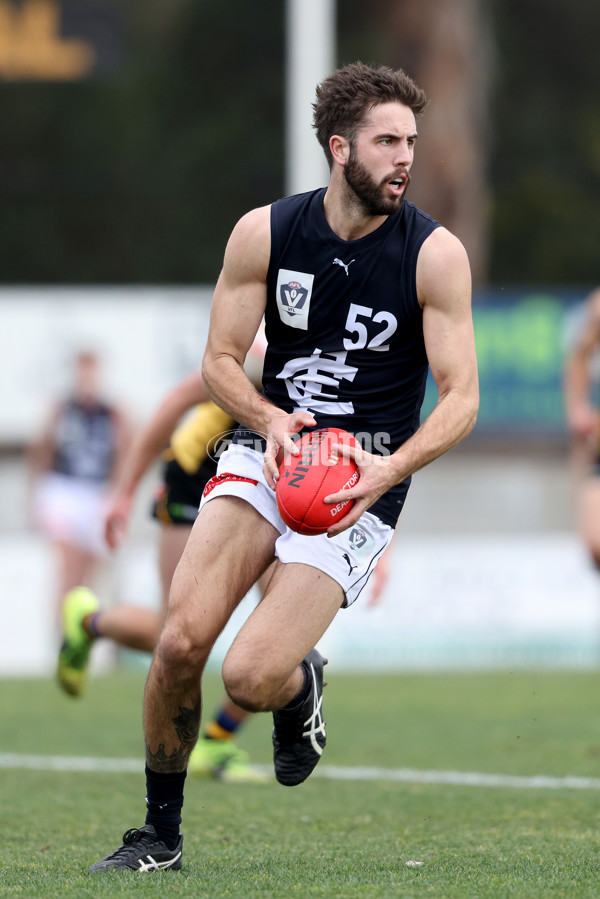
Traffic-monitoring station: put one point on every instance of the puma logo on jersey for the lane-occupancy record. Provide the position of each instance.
(337, 261)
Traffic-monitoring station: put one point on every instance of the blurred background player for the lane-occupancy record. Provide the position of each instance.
(583, 421)
(187, 467)
(73, 464)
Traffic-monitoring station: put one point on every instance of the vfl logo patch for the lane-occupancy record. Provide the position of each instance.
(294, 290)
(357, 538)
(223, 478)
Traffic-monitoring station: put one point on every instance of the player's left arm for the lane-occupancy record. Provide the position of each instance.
(444, 293)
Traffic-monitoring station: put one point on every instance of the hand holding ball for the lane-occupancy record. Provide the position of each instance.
(316, 472)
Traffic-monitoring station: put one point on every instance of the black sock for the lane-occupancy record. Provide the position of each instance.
(164, 800)
(302, 694)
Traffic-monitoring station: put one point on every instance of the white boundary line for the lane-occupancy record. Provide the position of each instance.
(69, 763)
(398, 775)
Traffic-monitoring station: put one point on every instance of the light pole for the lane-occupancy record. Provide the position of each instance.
(310, 56)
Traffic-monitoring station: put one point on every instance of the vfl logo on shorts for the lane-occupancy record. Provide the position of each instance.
(222, 479)
(294, 290)
(357, 538)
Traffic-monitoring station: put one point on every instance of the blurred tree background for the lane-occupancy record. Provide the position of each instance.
(133, 136)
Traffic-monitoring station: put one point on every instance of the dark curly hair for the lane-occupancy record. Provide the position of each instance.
(344, 98)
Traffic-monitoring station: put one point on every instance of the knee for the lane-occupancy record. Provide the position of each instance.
(247, 684)
(180, 651)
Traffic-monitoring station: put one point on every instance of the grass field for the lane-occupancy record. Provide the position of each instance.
(329, 837)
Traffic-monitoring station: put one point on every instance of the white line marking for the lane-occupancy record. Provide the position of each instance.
(329, 772)
(459, 778)
(69, 763)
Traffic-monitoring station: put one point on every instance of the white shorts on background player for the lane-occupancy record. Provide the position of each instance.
(349, 558)
(71, 511)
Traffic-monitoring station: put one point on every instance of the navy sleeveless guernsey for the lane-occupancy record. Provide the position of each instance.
(344, 327)
(85, 441)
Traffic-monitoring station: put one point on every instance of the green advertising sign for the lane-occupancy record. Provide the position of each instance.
(521, 341)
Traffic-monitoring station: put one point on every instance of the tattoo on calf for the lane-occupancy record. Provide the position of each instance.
(187, 724)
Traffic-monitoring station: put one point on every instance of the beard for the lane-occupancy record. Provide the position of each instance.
(371, 194)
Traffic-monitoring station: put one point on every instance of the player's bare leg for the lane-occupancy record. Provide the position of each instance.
(262, 668)
(272, 664)
(230, 546)
(216, 753)
(171, 544)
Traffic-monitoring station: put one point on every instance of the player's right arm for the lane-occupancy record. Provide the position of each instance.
(237, 310)
(145, 448)
(583, 418)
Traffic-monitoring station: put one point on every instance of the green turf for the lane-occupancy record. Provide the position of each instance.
(324, 838)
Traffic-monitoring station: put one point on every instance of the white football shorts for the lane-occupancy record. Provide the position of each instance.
(71, 511)
(349, 558)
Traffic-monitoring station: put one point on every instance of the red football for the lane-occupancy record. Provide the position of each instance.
(305, 479)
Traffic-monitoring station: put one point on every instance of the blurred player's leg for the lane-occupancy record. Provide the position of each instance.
(216, 755)
(76, 566)
(75, 650)
(134, 627)
(171, 544)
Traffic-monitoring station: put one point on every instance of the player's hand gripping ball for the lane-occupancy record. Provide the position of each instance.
(306, 479)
